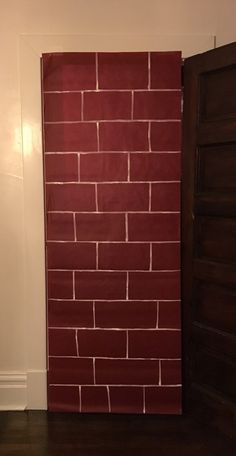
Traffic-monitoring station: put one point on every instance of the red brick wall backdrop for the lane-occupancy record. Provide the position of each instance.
(112, 140)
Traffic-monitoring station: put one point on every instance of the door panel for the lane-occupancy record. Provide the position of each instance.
(209, 237)
(214, 238)
(217, 94)
(208, 301)
(216, 168)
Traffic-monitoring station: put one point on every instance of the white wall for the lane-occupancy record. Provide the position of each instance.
(62, 17)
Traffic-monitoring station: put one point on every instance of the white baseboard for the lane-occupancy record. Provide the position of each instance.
(23, 390)
(13, 390)
(37, 390)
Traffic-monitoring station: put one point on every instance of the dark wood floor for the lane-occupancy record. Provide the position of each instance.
(57, 434)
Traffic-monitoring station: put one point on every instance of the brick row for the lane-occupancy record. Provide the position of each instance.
(115, 344)
(125, 136)
(115, 399)
(114, 314)
(111, 227)
(122, 197)
(73, 371)
(94, 285)
(114, 70)
(113, 256)
(98, 106)
(113, 167)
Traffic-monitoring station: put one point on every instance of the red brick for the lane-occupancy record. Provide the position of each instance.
(62, 342)
(166, 70)
(70, 197)
(126, 399)
(154, 167)
(165, 256)
(154, 344)
(166, 197)
(170, 314)
(100, 285)
(70, 313)
(100, 227)
(107, 105)
(95, 342)
(62, 107)
(123, 136)
(126, 372)
(154, 227)
(123, 256)
(166, 136)
(60, 284)
(70, 137)
(126, 314)
(123, 197)
(63, 399)
(154, 285)
(94, 399)
(124, 70)
(163, 400)
(69, 71)
(157, 105)
(171, 372)
(61, 168)
(103, 167)
(75, 371)
(60, 227)
(71, 255)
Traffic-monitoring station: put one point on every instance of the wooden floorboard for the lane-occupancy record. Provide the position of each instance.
(38, 433)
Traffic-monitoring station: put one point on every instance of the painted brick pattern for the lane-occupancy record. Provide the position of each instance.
(112, 143)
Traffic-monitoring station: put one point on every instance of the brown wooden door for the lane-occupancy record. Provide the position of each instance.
(209, 237)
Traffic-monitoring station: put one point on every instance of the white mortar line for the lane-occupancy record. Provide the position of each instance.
(94, 121)
(128, 158)
(94, 315)
(160, 373)
(126, 227)
(96, 255)
(150, 264)
(73, 280)
(76, 341)
(111, 90)
(94, 373)
(150, 197)
(158, 311)
(96, 197)
(149, 137)
(82, 105)
(74, 226)
(96, 65)
(132, 105)
(149, 70)
(98, 136)
(98, 328)
(127, 286)
(108, 398)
